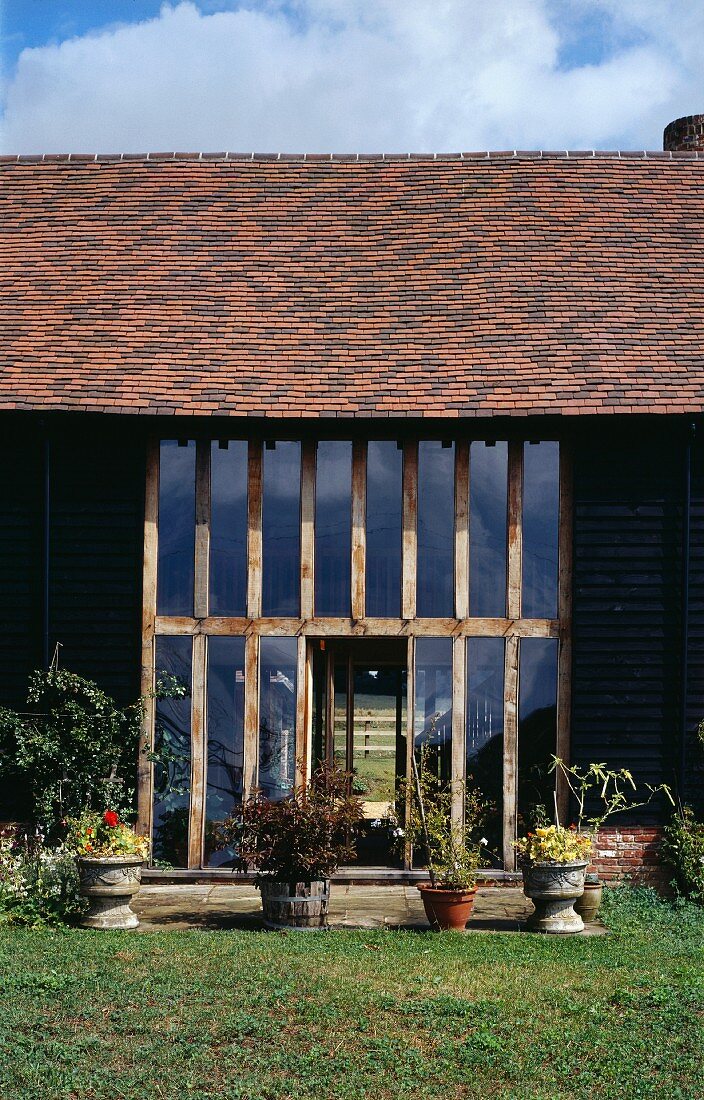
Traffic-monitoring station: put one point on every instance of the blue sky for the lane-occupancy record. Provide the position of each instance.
(365, 75)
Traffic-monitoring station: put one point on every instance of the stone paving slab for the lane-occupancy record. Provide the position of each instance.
(238, 906)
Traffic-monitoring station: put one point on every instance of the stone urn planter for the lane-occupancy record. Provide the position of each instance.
(109, 883)
(553, 888)
(447, 910)
(301, 906)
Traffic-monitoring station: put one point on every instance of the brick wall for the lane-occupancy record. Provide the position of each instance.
(633, 851)
(684, 134)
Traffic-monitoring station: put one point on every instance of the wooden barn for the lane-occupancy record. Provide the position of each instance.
(374, 452)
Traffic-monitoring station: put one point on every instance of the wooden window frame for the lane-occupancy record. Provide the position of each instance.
(307, 626)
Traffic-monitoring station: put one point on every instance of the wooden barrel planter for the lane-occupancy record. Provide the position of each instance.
(297, 905)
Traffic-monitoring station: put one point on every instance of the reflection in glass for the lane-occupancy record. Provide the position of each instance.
(177, 514)
(433, 702)
(436, 526)
(333, 527)
(378, 704)
(172, 746)
(537, 728)
(225, 731)
(277, 716)
(541, 510)
(339, 732)
(228, 527)
(384, 527)
(485, 730)
(488, 499)
(281, 529)
(378, 754)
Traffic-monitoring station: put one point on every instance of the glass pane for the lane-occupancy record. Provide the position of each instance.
(537, 728)
(225, 713)
(281, 529)
(228, 528)
(378, 703)
(172, 741)
(485, 731)
(177, 518)
(488, 500)
(541, 509)
(384, 528)
(339, 734)
(277, 715)
(433, 701)
(436, 527)
(333, 528)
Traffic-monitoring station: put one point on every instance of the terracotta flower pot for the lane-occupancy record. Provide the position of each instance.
(297, 905)
(109, 883)
(588, 905)
(447, 910)
(553, 888)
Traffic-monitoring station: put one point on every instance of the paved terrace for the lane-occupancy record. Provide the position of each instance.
(169, 907)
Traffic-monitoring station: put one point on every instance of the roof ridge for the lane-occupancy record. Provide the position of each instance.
(362, 158)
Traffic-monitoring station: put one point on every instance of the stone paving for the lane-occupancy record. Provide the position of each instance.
(169, 907)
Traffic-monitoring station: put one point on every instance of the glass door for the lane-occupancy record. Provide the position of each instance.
(360, 723)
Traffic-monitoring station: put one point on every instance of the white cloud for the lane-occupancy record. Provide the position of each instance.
(363, 75)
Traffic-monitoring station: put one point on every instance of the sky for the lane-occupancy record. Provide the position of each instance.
(345, 75)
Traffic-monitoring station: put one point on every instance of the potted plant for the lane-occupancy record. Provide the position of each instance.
(109, 855)
(295, 845)
(452, 855)
(587, 906)
(554, 858)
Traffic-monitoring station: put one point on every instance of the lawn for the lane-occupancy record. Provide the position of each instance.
(259, 1016)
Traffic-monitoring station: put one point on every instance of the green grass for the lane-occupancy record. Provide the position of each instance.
(345, 1015)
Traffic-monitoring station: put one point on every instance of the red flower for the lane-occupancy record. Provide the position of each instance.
(111, 819)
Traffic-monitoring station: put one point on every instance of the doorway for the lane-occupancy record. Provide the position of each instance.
(359, 723)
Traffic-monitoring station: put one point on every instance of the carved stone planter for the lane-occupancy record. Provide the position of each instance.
(296, 905)
(109, 883)
(553, 889)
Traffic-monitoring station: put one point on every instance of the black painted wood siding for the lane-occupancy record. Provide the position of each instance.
(694, 775)
(97, 494)
(627, 627)
(20, 559)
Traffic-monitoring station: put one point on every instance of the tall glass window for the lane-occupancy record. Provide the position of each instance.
(172, 746)
(225, 729)
(433, 702)
(333, 527)
(277, 716)
(177, 514)
(228, 527)
(485, 731)
(541, 513)
(384, 528)
(436, 529)
(488, 500)
(281, 529)
(537, 728)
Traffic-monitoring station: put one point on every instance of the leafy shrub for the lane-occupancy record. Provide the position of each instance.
(38, 884)
(683, 850)
(554, 844)
(300, 838)
(74, 748)
(100, 835)
(452, 850)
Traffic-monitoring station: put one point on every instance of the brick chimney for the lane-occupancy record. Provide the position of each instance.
(684, 134)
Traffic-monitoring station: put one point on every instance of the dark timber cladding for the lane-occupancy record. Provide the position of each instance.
(96, 481)
(627, 672)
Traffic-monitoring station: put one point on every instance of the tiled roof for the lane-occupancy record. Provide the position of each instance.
(456, 285)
